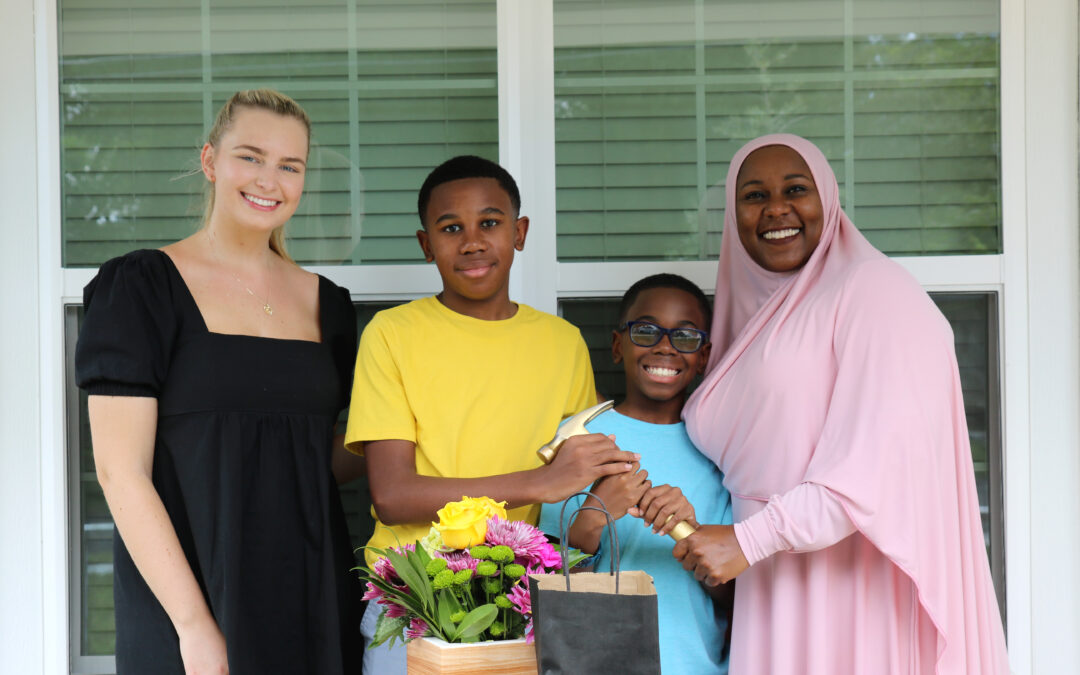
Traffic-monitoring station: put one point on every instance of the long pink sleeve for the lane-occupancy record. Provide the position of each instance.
(808, 517)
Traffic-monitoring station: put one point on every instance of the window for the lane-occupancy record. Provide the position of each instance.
(392, 91)
(653, 99)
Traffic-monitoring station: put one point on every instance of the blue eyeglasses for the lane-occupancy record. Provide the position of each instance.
(647, 334)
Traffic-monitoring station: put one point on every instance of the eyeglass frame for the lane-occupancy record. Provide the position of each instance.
(629, 325)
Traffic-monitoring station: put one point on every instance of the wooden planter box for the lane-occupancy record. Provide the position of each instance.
(430, 656)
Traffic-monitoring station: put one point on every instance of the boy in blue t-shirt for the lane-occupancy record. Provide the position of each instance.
(663, 344)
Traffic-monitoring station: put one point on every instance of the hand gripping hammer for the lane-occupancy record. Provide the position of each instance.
(575, 426)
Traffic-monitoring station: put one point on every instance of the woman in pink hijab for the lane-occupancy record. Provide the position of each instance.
(833, 406)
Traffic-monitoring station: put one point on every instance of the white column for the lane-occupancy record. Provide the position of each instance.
(1053, 333)
(527, 140)
(21, 587)
(1015, 368)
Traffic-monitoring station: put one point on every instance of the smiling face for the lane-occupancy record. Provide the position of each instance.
(778, 209)
(471, 231)
(257, 168)
(657, 376)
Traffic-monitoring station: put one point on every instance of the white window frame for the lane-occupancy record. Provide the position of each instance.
(1036, 278)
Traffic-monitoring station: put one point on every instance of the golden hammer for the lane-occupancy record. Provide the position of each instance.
(575, 426)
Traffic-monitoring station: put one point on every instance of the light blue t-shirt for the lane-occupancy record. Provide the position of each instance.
(691, 632)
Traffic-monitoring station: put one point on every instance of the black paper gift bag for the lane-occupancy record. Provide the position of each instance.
(593, 623)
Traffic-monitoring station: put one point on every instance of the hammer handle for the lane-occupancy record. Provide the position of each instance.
(682, 530)
(547, 452)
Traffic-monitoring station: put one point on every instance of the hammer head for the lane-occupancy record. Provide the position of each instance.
(573, 426)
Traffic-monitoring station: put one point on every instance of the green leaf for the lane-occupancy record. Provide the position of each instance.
(419, 560)
(403, 597)
(573, 555)
(450, 598)
(445, 622)
(388, 629)
(477, 621)
(417, 581)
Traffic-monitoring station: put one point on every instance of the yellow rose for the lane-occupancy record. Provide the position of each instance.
(464, 524)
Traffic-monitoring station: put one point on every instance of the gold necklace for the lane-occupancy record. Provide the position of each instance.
(266, 303)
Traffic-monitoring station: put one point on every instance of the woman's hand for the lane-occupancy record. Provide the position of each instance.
(664, 507)
(712, 554)
(202, 648)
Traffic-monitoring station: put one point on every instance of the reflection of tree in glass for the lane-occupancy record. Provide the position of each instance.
(937, 134)
(778, 107)
(123, 162)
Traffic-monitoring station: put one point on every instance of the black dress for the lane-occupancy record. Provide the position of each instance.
(242, 464)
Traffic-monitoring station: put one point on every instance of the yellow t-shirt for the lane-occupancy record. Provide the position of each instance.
(478, 398)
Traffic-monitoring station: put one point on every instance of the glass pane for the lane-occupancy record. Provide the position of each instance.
(652, 100)
(973, 317)
(392, 89)
(92, 601)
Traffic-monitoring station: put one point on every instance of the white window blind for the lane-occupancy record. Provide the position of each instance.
(653, 99)
(393, 89)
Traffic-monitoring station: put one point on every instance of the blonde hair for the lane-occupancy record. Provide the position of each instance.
(260, 99)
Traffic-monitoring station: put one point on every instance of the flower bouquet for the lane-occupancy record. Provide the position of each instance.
(466, 581)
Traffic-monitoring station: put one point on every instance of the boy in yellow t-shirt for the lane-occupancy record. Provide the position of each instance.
(453, 394)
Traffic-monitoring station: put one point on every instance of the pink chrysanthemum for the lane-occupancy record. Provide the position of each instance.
(418, 628)
(393, 610)
(385, 569)
(373, 592)
(521, 600)
(529, 544)
(549, 558)
(459, 560)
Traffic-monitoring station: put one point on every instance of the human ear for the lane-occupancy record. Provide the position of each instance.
(521, 228)
(425, 245)
(706, 349)
(206, 160)
(616, 346)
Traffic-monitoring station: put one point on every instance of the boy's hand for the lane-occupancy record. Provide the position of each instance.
(664, 507)
(620, 493)
(582, 460)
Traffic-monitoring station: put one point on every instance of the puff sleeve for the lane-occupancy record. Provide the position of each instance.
(129, 329)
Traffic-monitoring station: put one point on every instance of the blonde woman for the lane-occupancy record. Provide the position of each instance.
(216, 368)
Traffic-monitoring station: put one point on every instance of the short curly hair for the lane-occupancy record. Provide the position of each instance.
(665, 281)
(466, 166)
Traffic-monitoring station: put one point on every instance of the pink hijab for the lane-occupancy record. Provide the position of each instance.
(908, 488)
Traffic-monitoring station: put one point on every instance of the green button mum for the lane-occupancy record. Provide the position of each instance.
(502, 554)
(442, 580)
(435, 566)
(514, 571)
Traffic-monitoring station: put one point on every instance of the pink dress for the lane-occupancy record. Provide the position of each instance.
(833, 406)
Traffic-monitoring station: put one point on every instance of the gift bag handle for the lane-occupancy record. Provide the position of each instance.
(613, 536)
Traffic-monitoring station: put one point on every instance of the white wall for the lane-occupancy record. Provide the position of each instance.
(1053, 334)
(21, 604)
